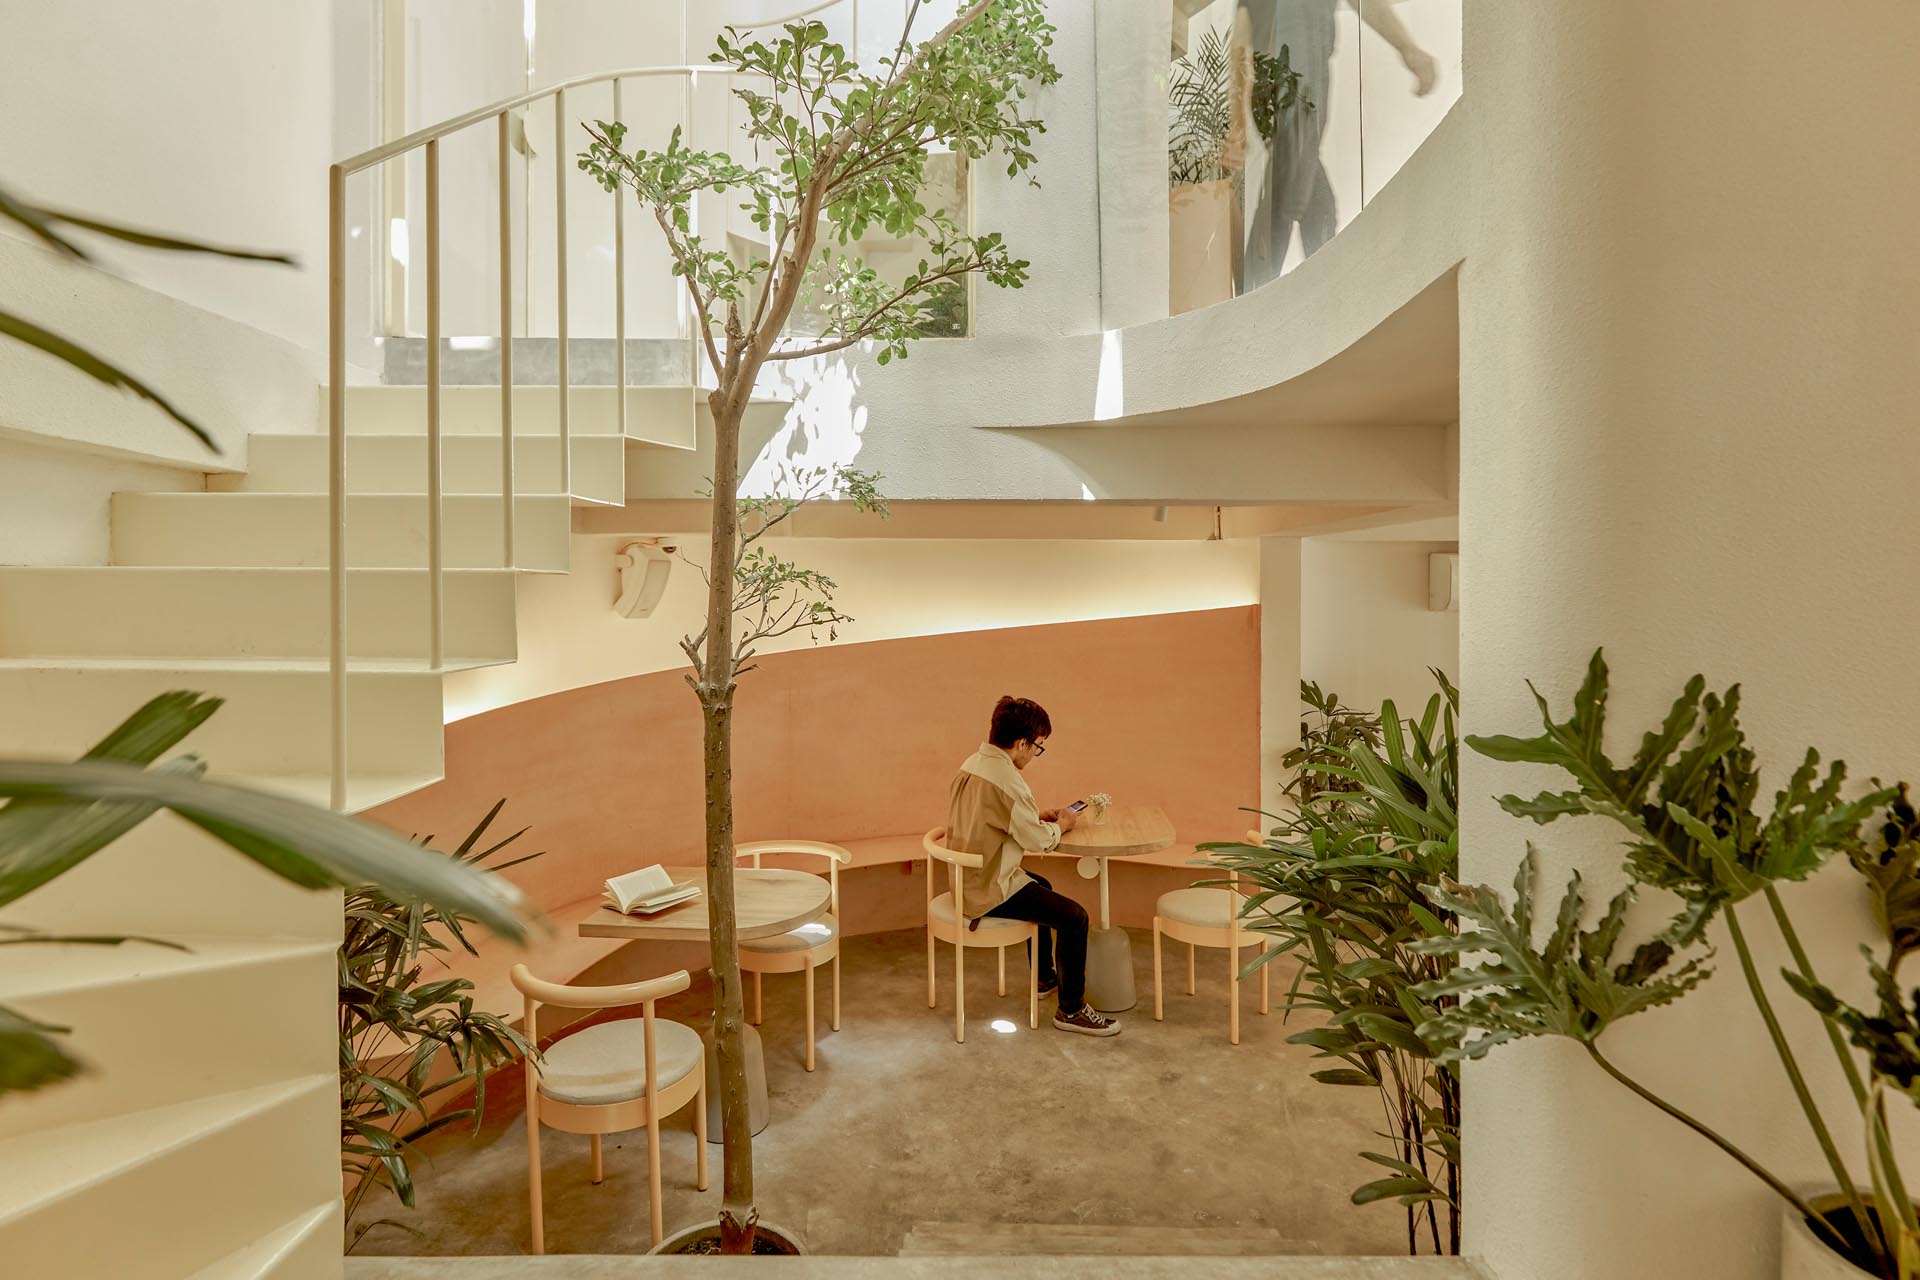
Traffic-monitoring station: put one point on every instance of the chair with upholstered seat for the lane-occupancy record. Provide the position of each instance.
(612, 1077)
(804, 949)
(945, 924)
(1208, 917)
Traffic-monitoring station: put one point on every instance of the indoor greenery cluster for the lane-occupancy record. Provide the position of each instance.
(1201, 106)
(1340, 885)
(1689, 808)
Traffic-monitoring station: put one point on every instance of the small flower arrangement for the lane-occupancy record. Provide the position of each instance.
(1097, 805)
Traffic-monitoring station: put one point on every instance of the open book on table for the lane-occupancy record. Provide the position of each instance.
(646, 891)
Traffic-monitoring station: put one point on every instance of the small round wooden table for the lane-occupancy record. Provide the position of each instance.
(1127, 832)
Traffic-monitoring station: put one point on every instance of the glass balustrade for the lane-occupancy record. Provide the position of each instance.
(1265, 126)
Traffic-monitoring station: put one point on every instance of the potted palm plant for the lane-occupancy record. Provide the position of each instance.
(850, 150)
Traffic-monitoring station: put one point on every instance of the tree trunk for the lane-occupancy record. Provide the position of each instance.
(715, 688)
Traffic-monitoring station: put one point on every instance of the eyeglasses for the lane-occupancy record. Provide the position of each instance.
(1039, 750)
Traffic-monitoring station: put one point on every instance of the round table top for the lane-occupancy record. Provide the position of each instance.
(766, 904)
(1129, 831)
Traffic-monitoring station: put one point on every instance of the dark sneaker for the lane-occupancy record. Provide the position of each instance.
(1049, 985)
(1087, 1022)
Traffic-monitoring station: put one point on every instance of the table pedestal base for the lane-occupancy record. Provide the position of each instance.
(758, 1110)
(1110, 970)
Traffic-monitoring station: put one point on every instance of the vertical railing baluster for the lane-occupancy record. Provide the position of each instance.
(337, 483)
(560, 279)
(619, 289)
(506, 349)
(436, 552)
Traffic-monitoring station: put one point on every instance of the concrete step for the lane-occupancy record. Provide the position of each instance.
(609, 1267)
(163, 1193)
(275, 721)
(288, 529)
(1073, 1239)
(297, 463)
(655, 415)
(135, 611)
(155, 1025)
(305, 1248)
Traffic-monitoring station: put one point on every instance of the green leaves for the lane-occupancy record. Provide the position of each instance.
(58, 815)
(1889, 1035)
(1688, 800)
(1339, 886)
(1572, 986)
(48, 227)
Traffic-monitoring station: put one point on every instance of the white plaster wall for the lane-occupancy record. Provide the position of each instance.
(1687, 433)
(570, 635)
(54, 500)
(1366, 632)
(207, 117)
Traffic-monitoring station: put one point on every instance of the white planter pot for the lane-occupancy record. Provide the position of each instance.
(1804, 1255)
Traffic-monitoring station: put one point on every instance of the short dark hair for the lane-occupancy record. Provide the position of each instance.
(1017, 718)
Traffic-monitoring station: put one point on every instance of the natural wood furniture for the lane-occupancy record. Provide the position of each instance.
(1209, 917)
(605, 1079)
(767, 903)
(1127, 831)
(798, 950)
(945, 923)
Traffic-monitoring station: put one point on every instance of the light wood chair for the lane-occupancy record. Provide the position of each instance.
(805, 948)
(1209, 917)
(945, 924)
(612, 1077)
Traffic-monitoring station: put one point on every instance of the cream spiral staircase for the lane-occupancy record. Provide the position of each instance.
(325, 593)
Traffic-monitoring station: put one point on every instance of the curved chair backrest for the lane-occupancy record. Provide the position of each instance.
(833, 853)
(934, 842)
(627, 993)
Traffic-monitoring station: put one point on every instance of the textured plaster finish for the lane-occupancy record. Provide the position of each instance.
(1687, 432)
(1166, 1126)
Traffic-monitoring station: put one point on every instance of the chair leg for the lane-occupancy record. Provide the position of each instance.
(1189, 968)
(1033, 988)
(1002, 953)
(655, 1212)
(809, 1013)
(959, 993)
(759, 1010)
(835, 1024)
(533, 1178)
(599, 1171)
(1159, 1012)
(931, 1001)
(700, 1128)
(1233, 993)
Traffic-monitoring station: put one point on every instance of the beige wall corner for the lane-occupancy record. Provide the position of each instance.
(1279, 662)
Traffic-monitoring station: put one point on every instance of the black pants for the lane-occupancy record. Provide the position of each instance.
(1063, 927)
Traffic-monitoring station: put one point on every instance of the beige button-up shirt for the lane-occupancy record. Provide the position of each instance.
(992, 813)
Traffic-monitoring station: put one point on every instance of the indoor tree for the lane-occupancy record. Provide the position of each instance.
(849, 150)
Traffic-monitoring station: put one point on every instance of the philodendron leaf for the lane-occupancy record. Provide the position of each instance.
(1573, 988)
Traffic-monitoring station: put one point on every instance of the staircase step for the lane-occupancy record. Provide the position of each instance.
(655, 415)
(157, 1026)
(297, 463)
(306, 1247)
(165, 1192)
(991, 1239)
(182, 611)
(276, 720)
(290, 529)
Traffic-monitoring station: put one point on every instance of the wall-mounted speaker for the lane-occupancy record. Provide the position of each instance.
(643, 567)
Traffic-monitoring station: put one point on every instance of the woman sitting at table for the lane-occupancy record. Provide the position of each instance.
(992, 814)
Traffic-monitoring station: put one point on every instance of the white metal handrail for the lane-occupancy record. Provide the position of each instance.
(427, 141)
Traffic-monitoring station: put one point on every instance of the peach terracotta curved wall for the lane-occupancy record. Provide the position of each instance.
(854, 742)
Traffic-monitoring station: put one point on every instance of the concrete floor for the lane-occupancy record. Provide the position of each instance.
(902, 1135)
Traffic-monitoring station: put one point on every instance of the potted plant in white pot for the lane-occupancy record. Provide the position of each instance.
(850, 153)
(1687, 805)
